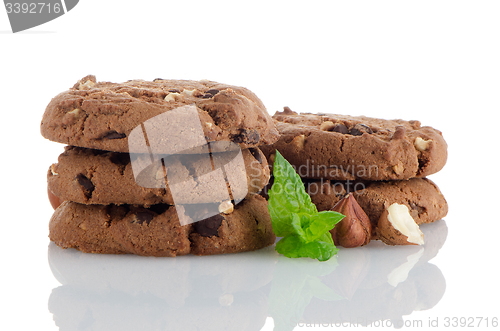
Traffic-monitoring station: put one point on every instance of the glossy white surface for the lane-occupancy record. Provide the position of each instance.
(435, 61)
(359, 285)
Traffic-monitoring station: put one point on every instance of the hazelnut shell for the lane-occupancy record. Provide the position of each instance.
(54, 199)
(355, 228)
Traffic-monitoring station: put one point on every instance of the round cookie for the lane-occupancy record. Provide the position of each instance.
(102, 115)
(423, 198)
(156, 231)
(91, 176)
(341, 147)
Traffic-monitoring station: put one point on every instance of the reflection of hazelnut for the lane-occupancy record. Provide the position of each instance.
(226, 207)
(226, 299)
(397, 227)
(355, 228)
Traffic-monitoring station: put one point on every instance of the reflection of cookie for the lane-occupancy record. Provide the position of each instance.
(156, 231)
(343, 147)
(98, 177)
(423, 198)
(102, 115)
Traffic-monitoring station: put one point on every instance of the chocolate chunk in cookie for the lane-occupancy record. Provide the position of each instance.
(143, 231)
(114, 182)
(341, 147)
(102, 115)
(208, 227)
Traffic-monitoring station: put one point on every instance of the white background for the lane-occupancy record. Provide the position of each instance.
(435, 61)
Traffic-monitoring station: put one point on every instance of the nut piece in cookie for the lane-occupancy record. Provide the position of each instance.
(343, 147)
(85, 83)
(355, 228)
(226, 207)
(102, 115)
(397, 227)
(422, 144)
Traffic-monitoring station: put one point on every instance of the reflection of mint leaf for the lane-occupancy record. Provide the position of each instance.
(295, 283)
(305, 232)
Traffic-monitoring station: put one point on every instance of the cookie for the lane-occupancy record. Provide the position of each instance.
(102, 115)
(90, 176)
(423, 198)
(156, 231)
(341, 147)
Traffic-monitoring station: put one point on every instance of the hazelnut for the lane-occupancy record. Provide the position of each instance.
(421, 144)
(53, 199)
(327, 126)
(398, 168)
(87, 85)
(226, 207)
(299, 141)
(160, 174)
(188, 92)
(397, 227)
(355, 228)
(70, 117)
(52, 171)
(172, 97)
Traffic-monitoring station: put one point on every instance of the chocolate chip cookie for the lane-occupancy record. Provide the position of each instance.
(91, 176)
(156, 231)
(102, 115)
(341, 147)
(423, 198)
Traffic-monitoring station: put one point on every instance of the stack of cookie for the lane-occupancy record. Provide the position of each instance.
(159, 168)
(381, 162)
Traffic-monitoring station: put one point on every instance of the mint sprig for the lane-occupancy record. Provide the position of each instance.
(305, 231)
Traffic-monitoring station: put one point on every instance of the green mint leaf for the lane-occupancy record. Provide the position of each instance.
(289, 246)
(287, 196)
(305, 232)
(321, 223)
(296, 222)
(293, 246)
